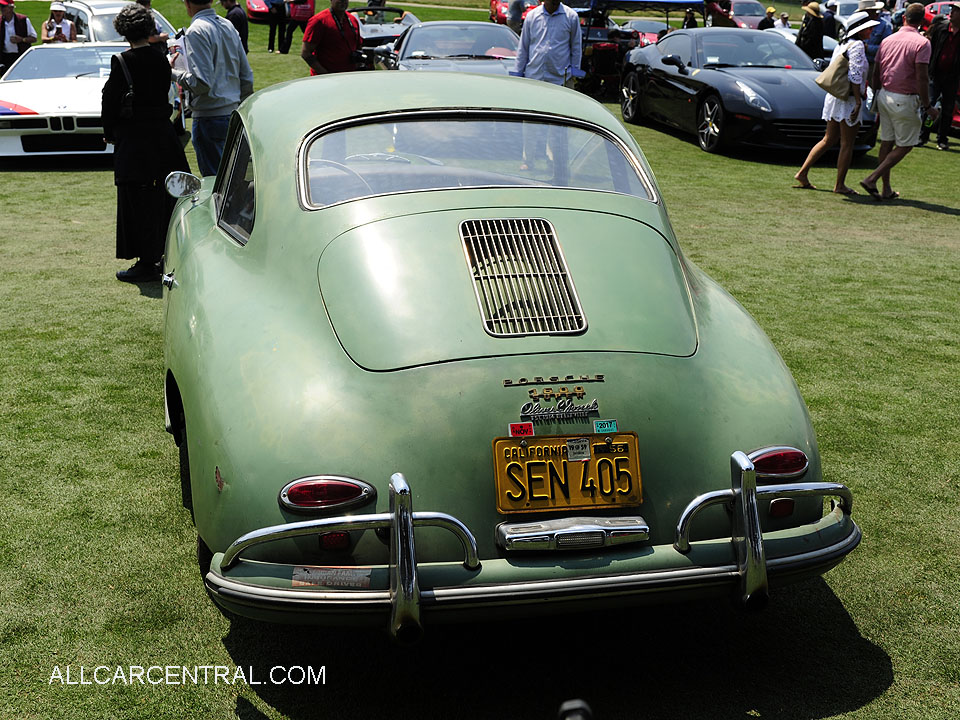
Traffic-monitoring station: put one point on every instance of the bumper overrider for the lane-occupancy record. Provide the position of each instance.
(700, 567)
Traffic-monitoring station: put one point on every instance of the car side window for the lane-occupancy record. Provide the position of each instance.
(679, 46)
(237, 207)
(79, 18)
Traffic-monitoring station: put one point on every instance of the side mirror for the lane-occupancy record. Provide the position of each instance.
(820, 63)
(675, 61)
(182, 184)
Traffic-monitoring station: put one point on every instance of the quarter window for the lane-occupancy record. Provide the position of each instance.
(238, 206)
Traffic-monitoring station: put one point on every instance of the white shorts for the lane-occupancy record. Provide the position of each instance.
(899, 118)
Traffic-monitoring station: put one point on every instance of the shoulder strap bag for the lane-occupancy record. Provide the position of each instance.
(836, 79)
(126, 102)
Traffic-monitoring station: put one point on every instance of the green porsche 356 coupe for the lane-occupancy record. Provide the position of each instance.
(433, 351)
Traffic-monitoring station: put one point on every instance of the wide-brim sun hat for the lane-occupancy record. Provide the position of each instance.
(865, 5)
(858, 22)
(813, 8)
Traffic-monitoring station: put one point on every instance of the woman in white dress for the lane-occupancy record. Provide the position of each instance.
(58, 28)
(843, 116)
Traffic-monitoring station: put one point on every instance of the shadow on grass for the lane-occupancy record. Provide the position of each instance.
(801, 658)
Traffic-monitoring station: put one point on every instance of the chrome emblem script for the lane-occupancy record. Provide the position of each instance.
(541, 379)
(565, 410)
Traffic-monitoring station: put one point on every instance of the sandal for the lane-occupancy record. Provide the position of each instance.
(874, 193)
(847, 191)
(892, 196)
(805, 186)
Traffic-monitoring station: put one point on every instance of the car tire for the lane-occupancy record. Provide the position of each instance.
(630, 97)
(710, 124)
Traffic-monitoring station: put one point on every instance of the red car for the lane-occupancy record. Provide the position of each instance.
(258, 11)
(934, 9)
(747, 13)
(649, 30)
(499, 9)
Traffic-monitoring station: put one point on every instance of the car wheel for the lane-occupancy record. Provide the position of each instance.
(630, 98)
(710, 124)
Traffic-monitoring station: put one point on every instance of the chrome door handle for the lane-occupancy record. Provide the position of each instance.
(168, 281)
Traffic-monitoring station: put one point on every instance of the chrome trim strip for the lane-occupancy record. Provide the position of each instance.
(747, 535)
(303, 179)
(404, 589)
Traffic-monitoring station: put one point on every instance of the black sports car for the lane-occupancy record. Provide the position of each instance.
(729, 86)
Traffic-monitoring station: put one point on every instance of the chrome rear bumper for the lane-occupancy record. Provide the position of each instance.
(405, 599)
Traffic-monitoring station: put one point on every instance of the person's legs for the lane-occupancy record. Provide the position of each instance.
(848, 136)
(948, 98)
(828, 141)
(934, 92)
(899, 132)
(209, 136)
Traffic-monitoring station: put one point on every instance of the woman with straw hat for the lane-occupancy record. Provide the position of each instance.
(810, 35)
(843, 116)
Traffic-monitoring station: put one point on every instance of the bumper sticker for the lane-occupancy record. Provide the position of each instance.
(333, 576)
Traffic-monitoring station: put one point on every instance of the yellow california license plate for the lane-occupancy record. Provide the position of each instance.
(567, 472)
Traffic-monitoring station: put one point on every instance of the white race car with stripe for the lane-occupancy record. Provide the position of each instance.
(50, 100)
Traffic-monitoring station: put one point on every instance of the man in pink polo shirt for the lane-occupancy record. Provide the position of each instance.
(901, 82)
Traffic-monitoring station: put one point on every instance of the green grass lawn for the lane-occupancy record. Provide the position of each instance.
(97, 559)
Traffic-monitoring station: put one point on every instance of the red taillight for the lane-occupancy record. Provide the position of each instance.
(322, 492)
(779, 463)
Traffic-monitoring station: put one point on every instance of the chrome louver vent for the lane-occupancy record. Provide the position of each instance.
(521, 279)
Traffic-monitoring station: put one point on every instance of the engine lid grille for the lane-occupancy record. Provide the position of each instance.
(520, 278)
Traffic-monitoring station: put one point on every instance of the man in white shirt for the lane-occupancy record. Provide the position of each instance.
(784, 22)
(16, 33)
(550, 45)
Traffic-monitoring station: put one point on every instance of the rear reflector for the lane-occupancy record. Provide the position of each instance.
(781, 507)
(779, 463)
(337, 540)
(325, 492)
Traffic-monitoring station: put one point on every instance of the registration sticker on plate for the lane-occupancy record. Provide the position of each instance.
(536, 474)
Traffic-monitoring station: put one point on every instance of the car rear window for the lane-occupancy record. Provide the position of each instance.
(438, 153)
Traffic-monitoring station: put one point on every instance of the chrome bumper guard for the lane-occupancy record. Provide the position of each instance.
(401, 520)
(405, 596)
(747, 536)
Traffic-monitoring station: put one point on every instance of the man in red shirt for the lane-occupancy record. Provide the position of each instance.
(331, 38)
(901, 83)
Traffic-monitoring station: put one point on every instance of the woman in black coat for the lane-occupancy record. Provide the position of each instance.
(146, 147)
